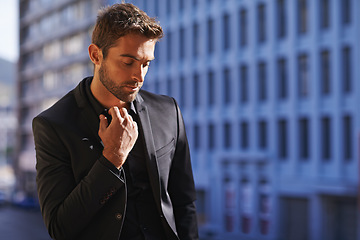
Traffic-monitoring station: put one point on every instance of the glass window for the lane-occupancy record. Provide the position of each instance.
(169, 86)
(196, 90)
(261, 23)
(195, 40)
(197, 137)
(262, 133)
(303, 75)
(169, 47)
(282, 78)
(346, 11)
(304, 139)
(282, 139)
(227, 86)
(243, 27)
(262, 82)
(227, 135)
(181, 5)
(346, 70)
(74, 44)
(348, 137)
(211, 88)
(325, 73)
(226, 34)
(324, 14)
(182, 92)
(210, 40)
(244, 135)
(182, 43)
(326, 138)
(211, 136)
(244, 91)
(281, 18)
(302, 16)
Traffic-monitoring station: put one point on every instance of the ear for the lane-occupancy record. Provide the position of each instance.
(95, 54)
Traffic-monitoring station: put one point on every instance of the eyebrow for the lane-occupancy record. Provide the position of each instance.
(133, 57)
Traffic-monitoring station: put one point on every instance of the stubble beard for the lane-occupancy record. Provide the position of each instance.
(114, 89)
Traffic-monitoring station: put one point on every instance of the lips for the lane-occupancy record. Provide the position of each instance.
(132, 88)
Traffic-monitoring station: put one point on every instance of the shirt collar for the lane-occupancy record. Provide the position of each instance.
(97, 107)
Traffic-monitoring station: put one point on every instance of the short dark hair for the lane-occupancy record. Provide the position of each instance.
(120, 19)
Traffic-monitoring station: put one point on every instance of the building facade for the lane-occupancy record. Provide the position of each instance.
(54, 36)
(268, 90)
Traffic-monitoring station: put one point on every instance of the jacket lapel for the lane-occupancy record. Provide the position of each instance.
(150, 153)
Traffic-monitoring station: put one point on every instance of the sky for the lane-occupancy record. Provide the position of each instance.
(9, 48)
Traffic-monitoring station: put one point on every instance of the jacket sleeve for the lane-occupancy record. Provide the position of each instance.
(182, 192)
(68, 206)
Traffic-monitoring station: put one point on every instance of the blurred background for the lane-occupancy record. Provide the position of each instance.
(269, 90)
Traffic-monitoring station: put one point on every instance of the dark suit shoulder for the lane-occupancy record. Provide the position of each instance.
(156, 101)
(62, 109)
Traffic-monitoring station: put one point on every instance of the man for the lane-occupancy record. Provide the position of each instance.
(113, 160)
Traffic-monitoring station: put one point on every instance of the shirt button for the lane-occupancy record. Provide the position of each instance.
(118, 216)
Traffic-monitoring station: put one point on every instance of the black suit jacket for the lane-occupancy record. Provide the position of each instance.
(81, 198)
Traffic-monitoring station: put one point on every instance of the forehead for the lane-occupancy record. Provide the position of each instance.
(136, 45)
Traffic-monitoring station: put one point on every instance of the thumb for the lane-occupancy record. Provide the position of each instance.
(103, 123)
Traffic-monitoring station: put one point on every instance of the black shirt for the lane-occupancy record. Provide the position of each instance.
(142, 219)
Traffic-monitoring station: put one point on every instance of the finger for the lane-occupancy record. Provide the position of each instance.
(123, 112)
(103, 123)
(115, 113)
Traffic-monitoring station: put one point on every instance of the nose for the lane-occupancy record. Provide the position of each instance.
(139, 74)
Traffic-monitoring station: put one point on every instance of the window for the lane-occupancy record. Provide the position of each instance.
(346, 69)
(196, 92)
(281, 18)
(169, 47)
(181, 43)
(324, 14)
(262, 133)
(197, 137)
(227, 135)
(303, 75)
(226, 34)
(156, 7)
(348, 139)
(261, 23)
(169, 86)
(302, 16)
(181, 5)
(282, 79)
(195, 40)
(244, 135)
(210, 40)
(325, 73)
(227, 86)
(346, 11)
(244, 91)
(168, 7)
(262, 84)
(326, 138)
(282, 139)
(304, 139)
(182, 92)
(211, 137)
(243, 27)
(211, 88)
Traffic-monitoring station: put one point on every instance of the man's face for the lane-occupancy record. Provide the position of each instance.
(123, 71)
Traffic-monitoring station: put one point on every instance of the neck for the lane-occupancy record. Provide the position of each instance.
(104, 97)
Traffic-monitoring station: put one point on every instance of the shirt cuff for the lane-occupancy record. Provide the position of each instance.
(117, 172)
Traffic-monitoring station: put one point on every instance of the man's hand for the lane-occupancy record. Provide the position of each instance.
(119, 136)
